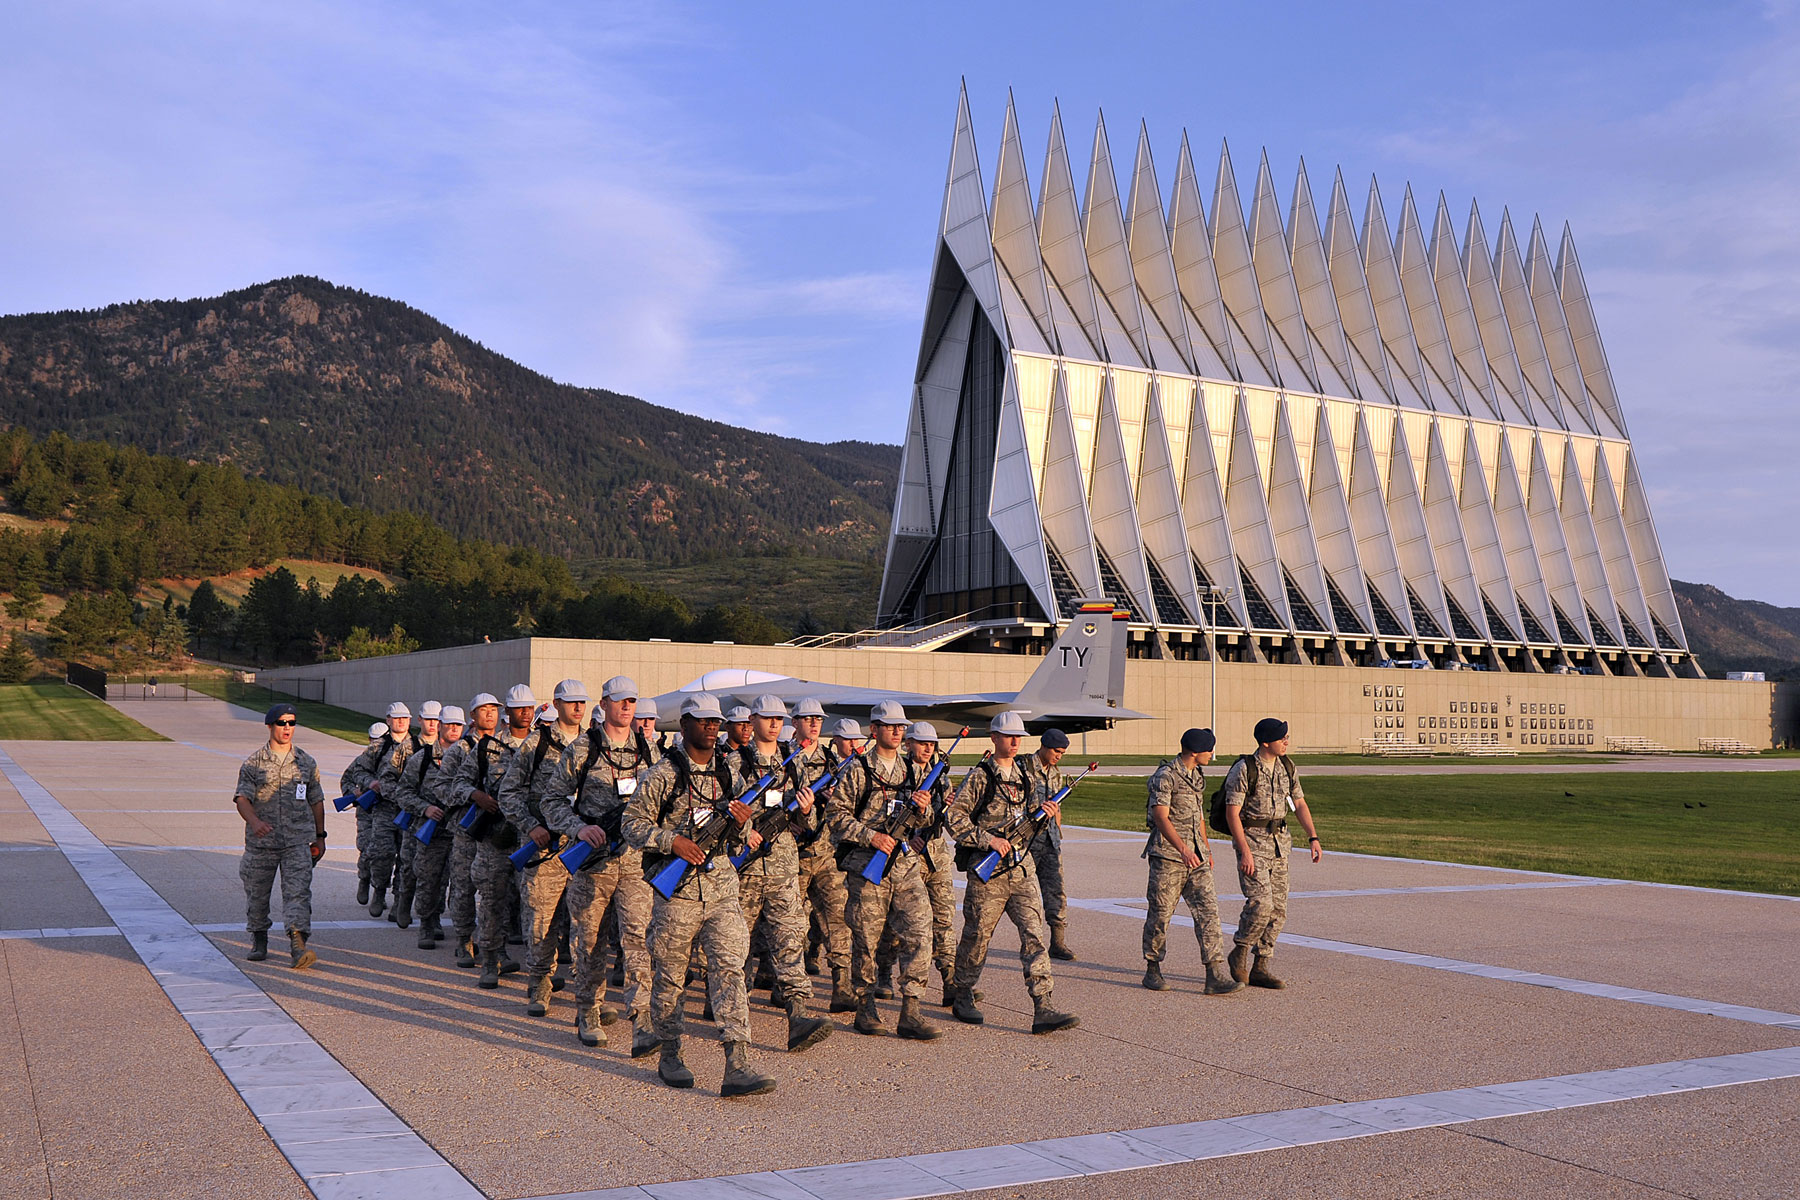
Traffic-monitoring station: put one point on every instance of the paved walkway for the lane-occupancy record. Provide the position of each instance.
(1447, 1030)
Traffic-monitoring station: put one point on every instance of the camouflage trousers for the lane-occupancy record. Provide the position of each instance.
(382, 853)
(257, 869)
(406, 878)
(362, 843)
(617, 891)
(543, 918)
(940, 886)
(774, 900)
(901, 902)
(1046, 856)
(716, 928)
(1266, 893)
(823, 891)
(1011, 894)
(497, 889)
(462, 883)
(1171, 882)
(431, 864)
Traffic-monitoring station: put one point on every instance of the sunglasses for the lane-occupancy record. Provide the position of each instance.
(286, 724)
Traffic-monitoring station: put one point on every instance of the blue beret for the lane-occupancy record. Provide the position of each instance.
(1055, 739)
(278, 711)
(1270, 729)
(1198, 741)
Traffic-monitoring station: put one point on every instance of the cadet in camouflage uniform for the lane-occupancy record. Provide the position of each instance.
(875, 803)
(405, 878)
(1260, 790)
(484, 719)
(283, 806)
(496, 882)
(346, 787)
(769, 880)
(686, 797)
(936, 862)
(1046, 848)
(378, 767)
(588, 790)
(737, 728)
(420, 791)
(521, 797)
(991, 808)
(1181, 864)
(821, 879)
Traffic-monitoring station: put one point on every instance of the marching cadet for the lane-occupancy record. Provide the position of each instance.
(769, 880)
(1261, 789)
(405, 879)
(1046, 848)
(283, 806)
(376, 838)
(543, 880)
(495, 838)
(993, 807)
(585, 800)
(645, 723)
(873, 808)
(1181, 864)
(737, 728)
(936, 863)
(484, 721)
(419, 791)
(685, 809)
(821, 880)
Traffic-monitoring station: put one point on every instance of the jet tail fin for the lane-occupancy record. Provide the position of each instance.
(1085, 666)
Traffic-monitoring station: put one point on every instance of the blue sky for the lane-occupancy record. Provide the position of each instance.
(730, 209)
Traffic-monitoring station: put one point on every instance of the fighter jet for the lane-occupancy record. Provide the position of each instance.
(1079, 685)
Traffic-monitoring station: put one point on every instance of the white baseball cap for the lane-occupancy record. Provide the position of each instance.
(808, 707)
(888, 712)
(647, 708)
(398, 709)
(922, 731)
(482, 698)
(519, 695)
(619, 687)
(571, 690)
(451, 715)
(431, 710)
(1007, 722)
(770, 705)
(377, 731)
(736, 713)
(847, 727)
(702, 706)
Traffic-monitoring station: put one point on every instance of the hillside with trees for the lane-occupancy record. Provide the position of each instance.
(374, 404)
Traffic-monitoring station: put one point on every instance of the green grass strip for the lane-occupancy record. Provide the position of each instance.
(57, 712)
(1737, 830)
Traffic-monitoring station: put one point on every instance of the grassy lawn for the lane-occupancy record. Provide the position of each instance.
(56, 712)
(326, 718)
(1742, 831)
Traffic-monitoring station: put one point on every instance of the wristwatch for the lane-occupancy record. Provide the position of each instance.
(319, 835)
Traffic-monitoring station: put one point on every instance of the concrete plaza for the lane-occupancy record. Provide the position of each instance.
(1447, 1031)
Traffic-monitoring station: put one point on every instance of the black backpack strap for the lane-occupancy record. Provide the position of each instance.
(537, 757)
(593, 741)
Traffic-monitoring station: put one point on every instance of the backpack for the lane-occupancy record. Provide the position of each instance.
(1215, 808)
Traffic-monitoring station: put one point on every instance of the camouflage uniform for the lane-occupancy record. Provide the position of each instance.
(1183, 793)
(496, 883)
(584, 789)
(705, 908)
(420, 786)
(993, 800)
(1263, 811)
(541, 887)
(821, 880)
(1046, 847)
(282, 791)
(868, 791)
(380, 764)
(769, 882)
(938, 865)
(461, 866)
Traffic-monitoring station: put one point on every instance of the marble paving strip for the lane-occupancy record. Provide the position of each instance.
(1610, 991)
(1144, 1149)
(337, 1135)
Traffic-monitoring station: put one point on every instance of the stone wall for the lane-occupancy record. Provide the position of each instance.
(1329, 708)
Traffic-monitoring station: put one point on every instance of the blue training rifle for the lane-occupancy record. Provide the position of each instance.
(881, 861)
(984, 870)
(674, 873)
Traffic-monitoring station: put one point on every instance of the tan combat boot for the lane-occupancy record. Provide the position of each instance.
(1262, 977)
(302, 957)
(740, 1080)
(1045, 1019)
(1239, 961)
(843, 998)
(537, 996)
(588, 1025)
(913, 1023)
(1219, 981)
(671, 1070)
(804, 1032)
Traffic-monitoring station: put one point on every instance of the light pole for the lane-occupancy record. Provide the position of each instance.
(1213, 597)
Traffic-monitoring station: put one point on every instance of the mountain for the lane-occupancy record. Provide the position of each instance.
(1727, 634)
(376, 404)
